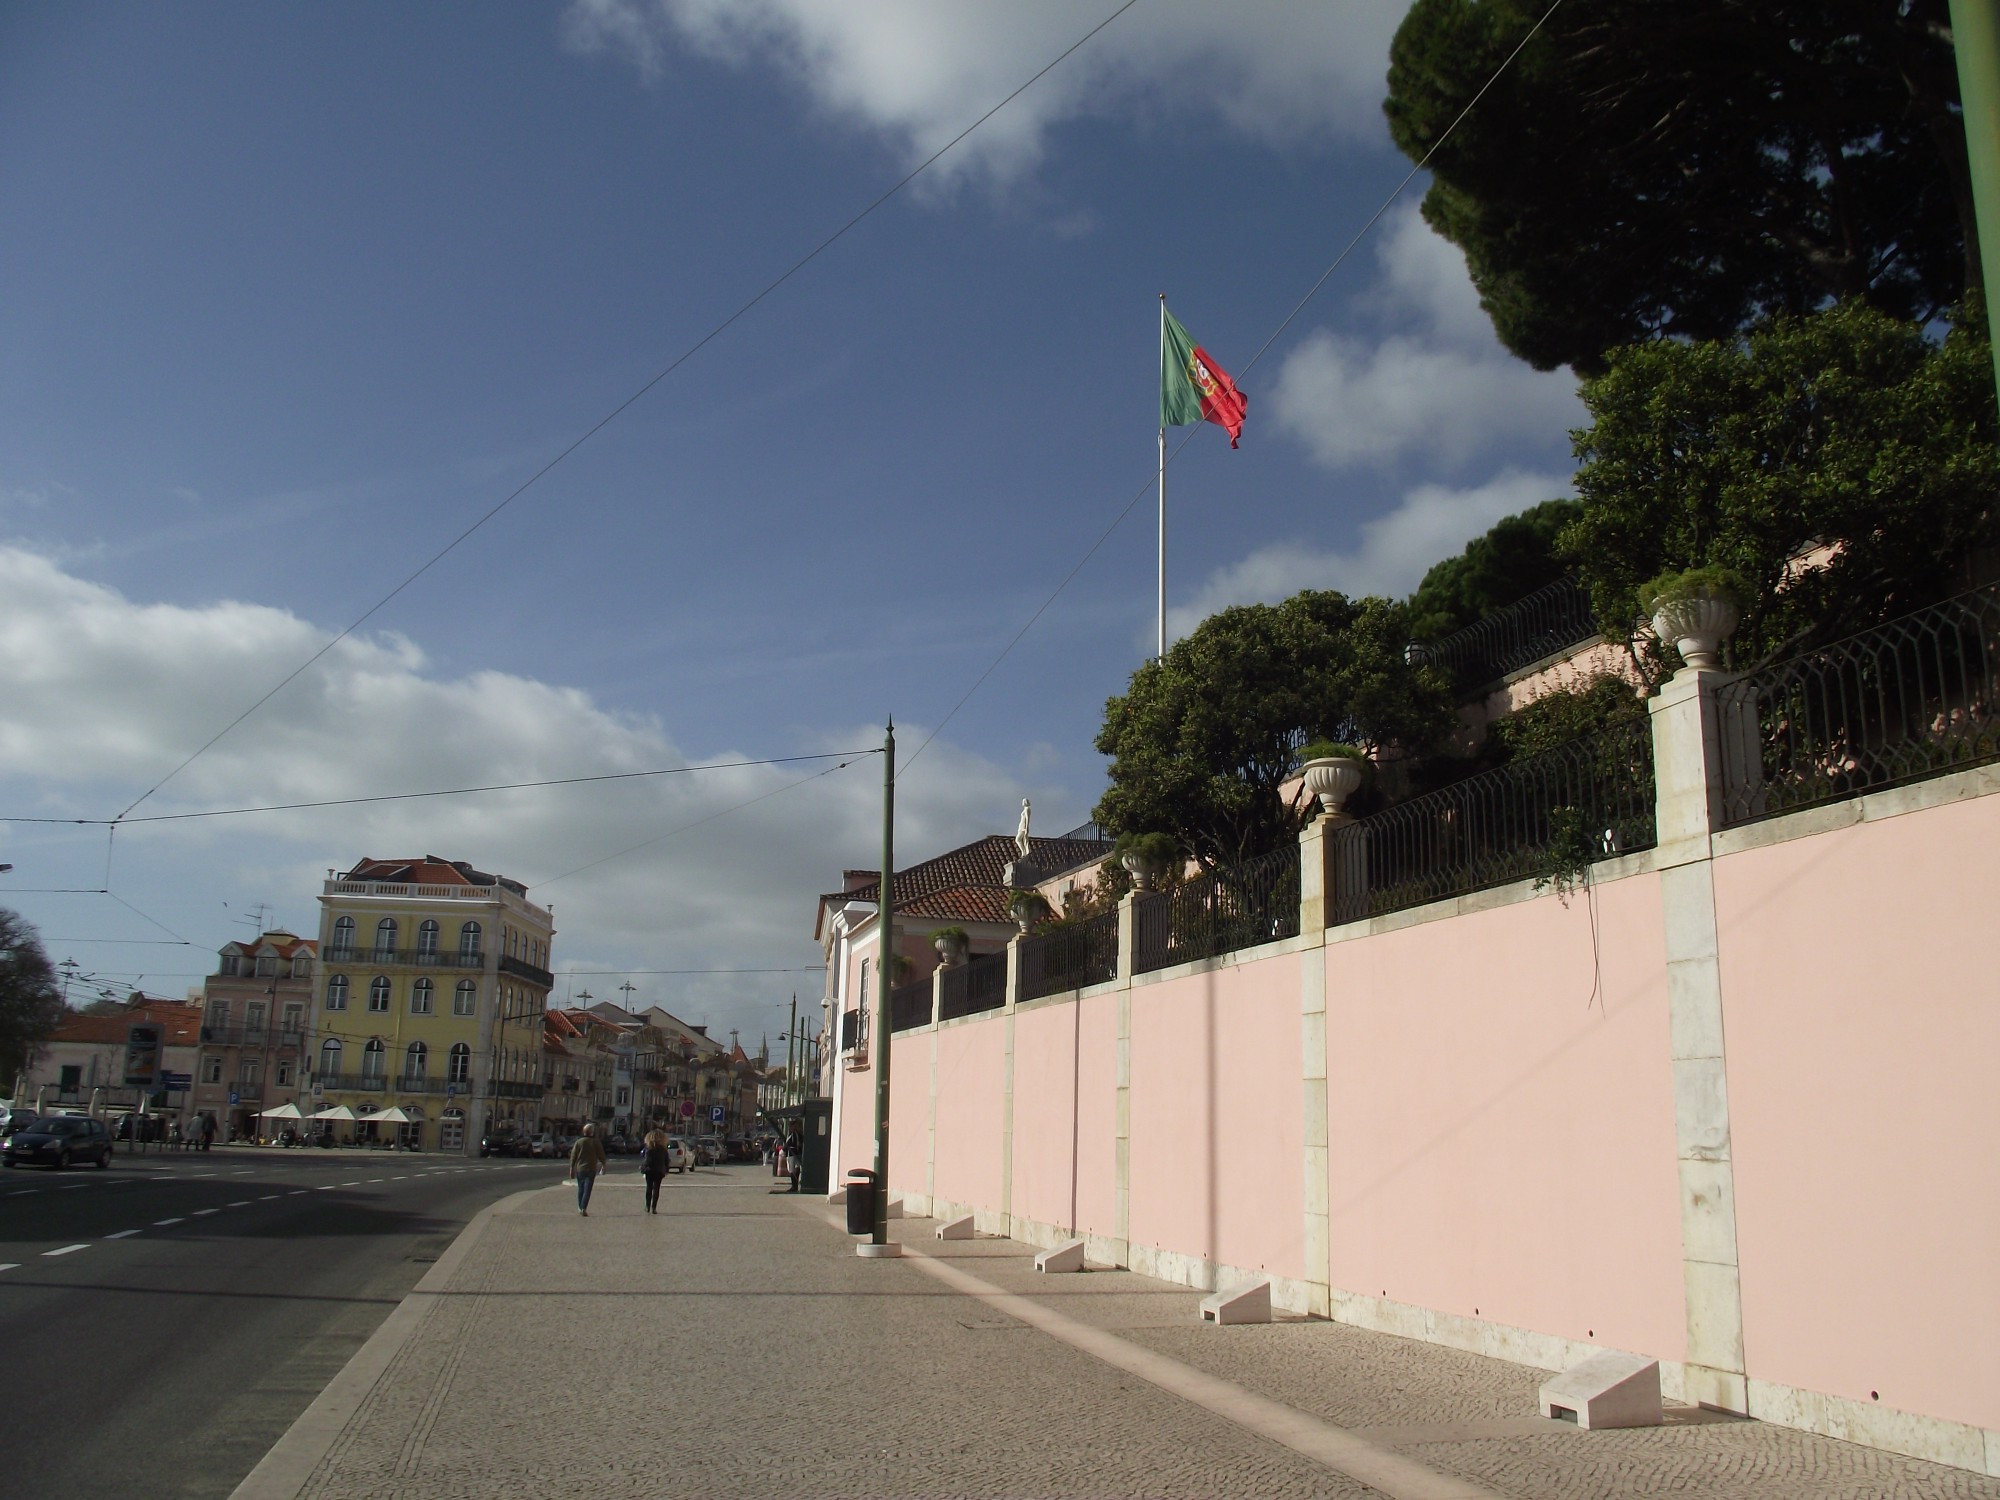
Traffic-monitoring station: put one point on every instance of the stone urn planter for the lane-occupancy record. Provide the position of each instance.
(952, 945)
(1144, 869)
(1332, 779)
(1697, 627)
(1026, 908)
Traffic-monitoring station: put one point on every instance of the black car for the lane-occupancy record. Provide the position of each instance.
(57, 1142)
(503, 1143)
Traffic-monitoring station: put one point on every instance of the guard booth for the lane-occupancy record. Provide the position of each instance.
(813, 1120)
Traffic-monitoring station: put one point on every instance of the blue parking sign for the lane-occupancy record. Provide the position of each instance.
(716, 1114)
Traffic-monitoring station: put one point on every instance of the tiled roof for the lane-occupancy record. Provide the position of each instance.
(182, 1023)
(285, 944)
(428, 869)
(968, 884)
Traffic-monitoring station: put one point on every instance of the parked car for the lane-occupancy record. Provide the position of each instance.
(680, 1156)
(58, 1142)
(503, 1143)
(544, 1145)
(708, 1151)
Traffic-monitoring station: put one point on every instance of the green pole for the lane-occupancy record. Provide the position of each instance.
(1975, 35)
(885, 978)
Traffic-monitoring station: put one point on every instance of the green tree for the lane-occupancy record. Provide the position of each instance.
(1645, 171)
(1202, 739)
(30, 1001)
(1509, 562)
(1845, 437)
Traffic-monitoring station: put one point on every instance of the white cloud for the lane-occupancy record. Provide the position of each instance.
(1397, 549)
(918, 71)
(101, 695)
(1442, 389)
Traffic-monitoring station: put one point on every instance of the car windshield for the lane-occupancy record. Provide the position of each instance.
(62, 1127)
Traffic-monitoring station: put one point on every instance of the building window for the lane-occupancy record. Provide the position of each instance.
(420, 997)
(232, 965)
(253, 1016)
(329, 1061)
(427, 938)
(378, 992)
(343, 937)
(302, 967)
(212, 1070)
(374, 1060)
(465, 999)
(267, 966)
(385, 937)
(415, 1060)
(217, 1014)
(295, 1016)
(459, 1067)
(336, 992)
(284, 1075)
(468, 940)
(249, 1071)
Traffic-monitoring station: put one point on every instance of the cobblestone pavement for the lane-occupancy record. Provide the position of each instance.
(735, 1345)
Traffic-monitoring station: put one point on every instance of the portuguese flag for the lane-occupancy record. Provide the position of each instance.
(1193, 387)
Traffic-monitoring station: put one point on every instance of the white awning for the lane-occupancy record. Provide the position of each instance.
(338, 1112)
(281, 1112)
(390, 1116)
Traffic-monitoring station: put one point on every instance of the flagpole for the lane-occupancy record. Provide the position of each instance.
(1162, 615)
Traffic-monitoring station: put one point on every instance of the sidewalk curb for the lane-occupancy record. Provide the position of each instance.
(283, 1472)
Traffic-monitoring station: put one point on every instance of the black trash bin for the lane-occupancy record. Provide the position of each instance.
(860, 1201)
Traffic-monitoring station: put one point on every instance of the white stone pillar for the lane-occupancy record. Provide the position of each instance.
(1315, 907)
(1687, 768)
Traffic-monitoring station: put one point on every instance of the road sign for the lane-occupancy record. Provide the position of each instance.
(234, 1097)
(717, 1114)
(178, 1083)
(451, 1091)
(687, 1108)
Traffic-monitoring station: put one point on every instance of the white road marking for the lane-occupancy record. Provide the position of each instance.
(298, 1192)
(11, 1265)
(239, 1203)
(355, 1183)
(200, 1212)
(162, 1223)
(328, 1188)
(242, 1172)
(375, 1179)
(267, 1197)
(66, 1250)
(23, 1192)
(70, 1187)
(124, 1234)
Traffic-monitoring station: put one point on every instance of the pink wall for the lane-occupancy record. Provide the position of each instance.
(1503, 1142)
(909, 1111)
(971, 1056)
(1048, 1043)
(1864, 1111)
(1216, 1134)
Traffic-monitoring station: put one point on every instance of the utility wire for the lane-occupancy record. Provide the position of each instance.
(456, 791)
(682, 358)
(1298, 308)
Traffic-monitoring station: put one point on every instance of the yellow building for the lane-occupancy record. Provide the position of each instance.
(434, 979)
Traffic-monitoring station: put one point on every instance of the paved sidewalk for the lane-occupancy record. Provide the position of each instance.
(735, 1345)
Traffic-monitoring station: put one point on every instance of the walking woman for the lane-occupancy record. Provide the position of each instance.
(654, 1164)
(586, 1160)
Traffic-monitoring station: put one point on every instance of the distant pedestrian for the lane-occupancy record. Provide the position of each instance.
(207, 1131)
(586, 1160)
(654, 1164)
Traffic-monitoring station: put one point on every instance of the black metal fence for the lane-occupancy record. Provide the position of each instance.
(1911, 699)
(1585, 801)
(1219, 912)
(910, 1005)
(1069, 955)
(1551, 619)
(973, 987)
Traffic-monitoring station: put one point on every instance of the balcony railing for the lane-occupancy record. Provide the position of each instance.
(910, 1005)
(418, 958)
(1069, 955)
(1588, 800)
(973, 987)
(1551, 619)
(520, 968)
(250, 1036)
(1911, 699)
(353, 1083)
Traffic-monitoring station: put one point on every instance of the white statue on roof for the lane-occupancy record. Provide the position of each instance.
(1021, 833)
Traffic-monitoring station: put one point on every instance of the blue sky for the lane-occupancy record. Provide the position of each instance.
(291, 296)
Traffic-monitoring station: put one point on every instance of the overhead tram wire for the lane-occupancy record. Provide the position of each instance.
(1311, 292)
(456, 791)
(682, 358)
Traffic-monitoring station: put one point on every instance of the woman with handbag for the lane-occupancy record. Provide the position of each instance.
(653, 1163)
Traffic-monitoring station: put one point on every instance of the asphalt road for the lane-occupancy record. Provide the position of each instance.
(164, 1320)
